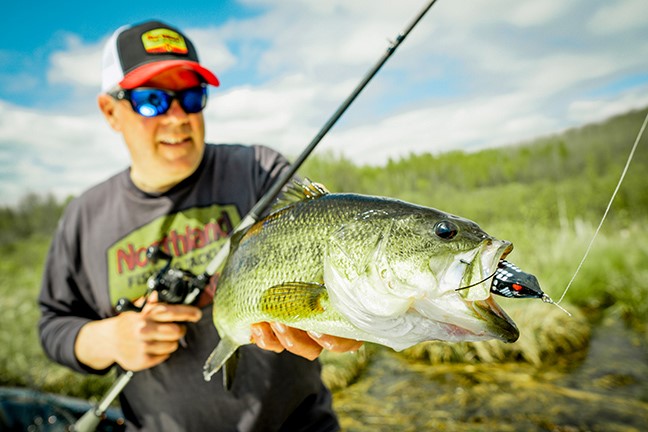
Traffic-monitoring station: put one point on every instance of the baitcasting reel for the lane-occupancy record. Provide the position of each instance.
(173, 285)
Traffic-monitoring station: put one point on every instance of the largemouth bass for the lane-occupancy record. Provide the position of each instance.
(367, 268)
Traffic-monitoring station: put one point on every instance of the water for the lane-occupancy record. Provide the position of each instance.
(602, 389)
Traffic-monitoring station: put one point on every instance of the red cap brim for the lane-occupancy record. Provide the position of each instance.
(145, 72)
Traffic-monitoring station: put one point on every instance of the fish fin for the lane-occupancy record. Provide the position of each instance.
(294, 300)
(223, 351)
(229, 369)
(297, 191)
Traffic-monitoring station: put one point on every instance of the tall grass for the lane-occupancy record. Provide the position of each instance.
(615, 274)
(22, 361)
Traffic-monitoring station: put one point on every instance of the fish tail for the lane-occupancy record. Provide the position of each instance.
(223, 351)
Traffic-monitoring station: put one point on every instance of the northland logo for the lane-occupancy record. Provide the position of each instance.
(192, 237)
(175, 243)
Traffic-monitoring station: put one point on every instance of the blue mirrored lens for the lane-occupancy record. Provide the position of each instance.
(150, 102)
(193, 100)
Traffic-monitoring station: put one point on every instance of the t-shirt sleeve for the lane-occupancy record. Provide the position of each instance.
(64, 309)
(271, 166)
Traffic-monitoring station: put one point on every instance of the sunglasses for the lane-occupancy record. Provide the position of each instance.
(152, 102)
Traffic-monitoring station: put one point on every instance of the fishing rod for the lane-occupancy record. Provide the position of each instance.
(91, 419)
(258, 209)
(171, 277)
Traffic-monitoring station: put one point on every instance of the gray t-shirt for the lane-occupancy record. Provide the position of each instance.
(98, 255)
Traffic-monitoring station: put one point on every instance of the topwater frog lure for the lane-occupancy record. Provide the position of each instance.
(509, 281)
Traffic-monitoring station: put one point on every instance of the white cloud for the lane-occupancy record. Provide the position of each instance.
(620, 16)
(597, 109)
(77, 65)
(535, 13)
(62, 154)
(322, 39)
(471, 75)
(212, 50)
(468, 125)
(284, 113)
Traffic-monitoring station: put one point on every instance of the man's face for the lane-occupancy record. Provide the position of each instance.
(165, 149)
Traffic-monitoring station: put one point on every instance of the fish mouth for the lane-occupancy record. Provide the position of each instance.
(499, 324)
(478, 274)
(478, 297)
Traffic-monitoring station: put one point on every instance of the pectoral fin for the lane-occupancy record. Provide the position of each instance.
(293, 300)
(225, 350)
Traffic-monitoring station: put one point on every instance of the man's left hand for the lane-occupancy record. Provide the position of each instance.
(278, 337)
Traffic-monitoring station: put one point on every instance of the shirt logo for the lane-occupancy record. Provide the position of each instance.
(192, 237)
(163, 41)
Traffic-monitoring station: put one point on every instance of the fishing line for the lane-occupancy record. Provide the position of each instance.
(476, 283)
(607, 210)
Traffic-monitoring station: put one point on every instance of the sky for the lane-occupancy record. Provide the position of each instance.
(473, 74)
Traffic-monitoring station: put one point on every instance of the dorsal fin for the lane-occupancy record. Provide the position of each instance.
(297, 191)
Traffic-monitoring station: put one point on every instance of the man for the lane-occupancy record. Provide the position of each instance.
(185, 197)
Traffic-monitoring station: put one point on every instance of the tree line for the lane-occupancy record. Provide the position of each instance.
(571, 174)
(34, 215)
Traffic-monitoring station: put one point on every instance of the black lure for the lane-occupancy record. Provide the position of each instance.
(509, 281)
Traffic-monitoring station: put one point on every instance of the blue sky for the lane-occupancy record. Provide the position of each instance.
(27, 55)
(473, 74)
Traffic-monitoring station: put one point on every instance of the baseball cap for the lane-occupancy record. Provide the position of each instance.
(136, 53)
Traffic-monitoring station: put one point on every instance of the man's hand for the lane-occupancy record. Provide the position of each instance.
(135, 340)
(147, 338)
(277, 337)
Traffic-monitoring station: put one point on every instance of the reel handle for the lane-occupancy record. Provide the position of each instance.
(154, 254)
(125, 305)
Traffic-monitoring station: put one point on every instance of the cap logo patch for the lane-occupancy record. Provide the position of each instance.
(163, 40)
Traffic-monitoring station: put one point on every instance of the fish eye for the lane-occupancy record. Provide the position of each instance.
(446, 230)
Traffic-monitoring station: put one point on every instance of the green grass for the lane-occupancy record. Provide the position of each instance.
(22, 361)
(615, 274)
